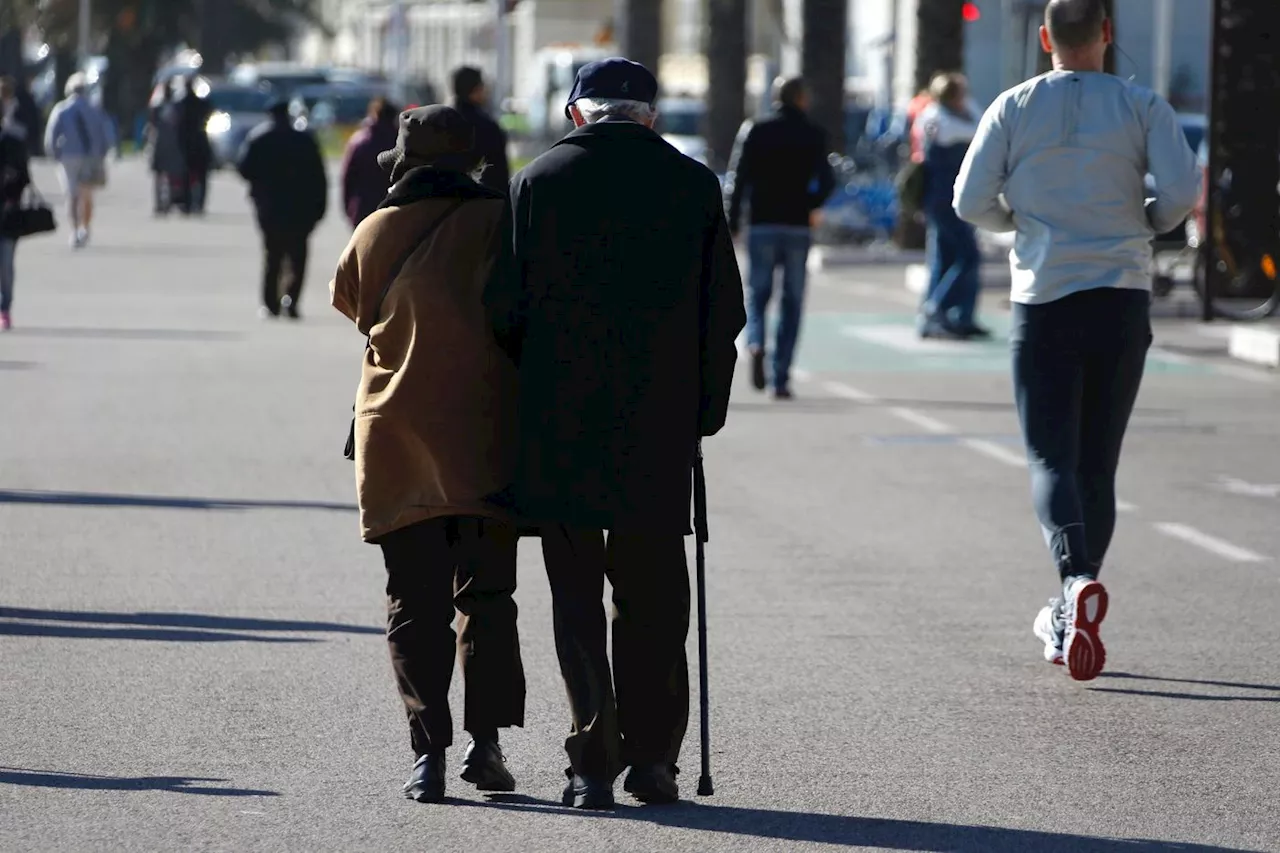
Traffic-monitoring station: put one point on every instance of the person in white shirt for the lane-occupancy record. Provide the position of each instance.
(1062, 160)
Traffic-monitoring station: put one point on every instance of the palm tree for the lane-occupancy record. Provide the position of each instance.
(641, 31)
(939, 39)
(822, 64)
(727, 77)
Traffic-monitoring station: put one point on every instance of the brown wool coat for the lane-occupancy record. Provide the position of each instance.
(435, 410)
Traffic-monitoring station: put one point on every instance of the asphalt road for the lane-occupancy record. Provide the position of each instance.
(190, 651)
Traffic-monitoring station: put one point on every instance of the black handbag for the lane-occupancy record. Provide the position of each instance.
(349, 451)
(31, 215)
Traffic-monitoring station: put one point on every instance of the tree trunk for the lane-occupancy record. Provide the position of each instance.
(822, 64)
(939, 39)
(640, 35)
(727, 77)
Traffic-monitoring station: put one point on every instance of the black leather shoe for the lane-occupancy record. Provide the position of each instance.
(426, 785)
(758, 379)
(485, 767)
(654, 784)
(584, 793)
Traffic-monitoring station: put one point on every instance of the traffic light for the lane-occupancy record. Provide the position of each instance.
(971, 12)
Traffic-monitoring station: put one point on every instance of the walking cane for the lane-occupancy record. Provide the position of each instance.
(705, 788)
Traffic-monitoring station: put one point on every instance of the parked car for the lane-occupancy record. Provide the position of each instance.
(680, 123)
(341, 107)
(282, 78)
(236, 111)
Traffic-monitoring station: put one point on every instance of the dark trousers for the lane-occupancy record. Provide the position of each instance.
(1077, 367)
(283, 245)
(954, 260)
(644, 721)
(432, 568)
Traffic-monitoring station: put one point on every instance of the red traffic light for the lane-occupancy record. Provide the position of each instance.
(972, 12)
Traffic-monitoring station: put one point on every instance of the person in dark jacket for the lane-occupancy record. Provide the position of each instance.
(290, 191)
(14, 178)
(197, 152)
(950, 302)
(364, 182)
(619, 299)
(781, 171)
(469, 96)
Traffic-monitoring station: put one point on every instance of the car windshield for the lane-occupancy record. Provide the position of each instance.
(239, 100)
(682, 121)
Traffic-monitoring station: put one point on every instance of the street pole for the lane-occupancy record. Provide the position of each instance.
(502, 55)
(1012, 44)
(84, 32)
(1164, 47)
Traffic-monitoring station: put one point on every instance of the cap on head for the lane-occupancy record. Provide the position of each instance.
(437, 135)
(77, 84)
(1075, 24)
(614, 78)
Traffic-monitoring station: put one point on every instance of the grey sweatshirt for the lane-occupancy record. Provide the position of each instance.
(1062, 160)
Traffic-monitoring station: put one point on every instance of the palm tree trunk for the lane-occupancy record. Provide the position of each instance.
(822, 64)
(727, 77)
(939, 39)
(640, 35)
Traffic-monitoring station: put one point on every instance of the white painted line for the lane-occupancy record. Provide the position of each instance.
(994, 451)
(907, 339)
(848, 392)
(801, 375)
(921, 420)
(1212, 544)
(1125, 506)
(1250, 490)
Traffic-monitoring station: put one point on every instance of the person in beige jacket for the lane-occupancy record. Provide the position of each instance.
(435, 443)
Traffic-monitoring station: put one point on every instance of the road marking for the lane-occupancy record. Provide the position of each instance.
(801, 375)
(848, 392)
(921, 420)
(907, 339)
(1125, 506)
(1212, 544)
(994, 451)
(1250, 490)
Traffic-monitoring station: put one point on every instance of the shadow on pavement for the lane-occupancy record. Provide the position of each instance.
(848, 831)
(89, 782)
(24, 496)
(160, 627)
(123, 334)
(1234, 685)
(183, 620)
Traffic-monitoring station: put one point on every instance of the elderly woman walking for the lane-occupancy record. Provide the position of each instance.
(434, 443)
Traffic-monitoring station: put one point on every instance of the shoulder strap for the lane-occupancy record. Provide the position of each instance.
(394, 273)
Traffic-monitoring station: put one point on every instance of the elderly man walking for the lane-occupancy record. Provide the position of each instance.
(620, 303)
(79, 137)
(1062, 160)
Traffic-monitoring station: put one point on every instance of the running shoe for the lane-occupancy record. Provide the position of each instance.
(1049, 627)
(1082, 614)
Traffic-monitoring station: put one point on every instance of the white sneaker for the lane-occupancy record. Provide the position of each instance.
(1082, 614)
(1049, 628)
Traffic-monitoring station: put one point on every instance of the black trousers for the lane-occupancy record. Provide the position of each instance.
(283, 245)
(639, 714)
(1077, 368)
(432, 568)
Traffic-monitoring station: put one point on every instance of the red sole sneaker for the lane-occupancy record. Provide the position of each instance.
(1082, 648)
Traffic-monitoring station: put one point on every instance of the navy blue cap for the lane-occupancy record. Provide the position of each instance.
(616, 78)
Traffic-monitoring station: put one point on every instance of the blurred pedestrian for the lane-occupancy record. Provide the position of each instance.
(364, 182)
(949, 306)
(14, 178)
(434, 439)
(79, 137)
(469, 97)
(1062, 161)
(197, 152)
(164, 142)
(26, 114)
(783, 175)
(290, 191)
(619, 299)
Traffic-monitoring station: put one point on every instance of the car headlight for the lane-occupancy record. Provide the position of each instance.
(218, 123)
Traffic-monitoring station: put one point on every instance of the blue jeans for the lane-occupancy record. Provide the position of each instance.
(1077, 367)
(7, 249)
(954, 258)
(771, 246)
